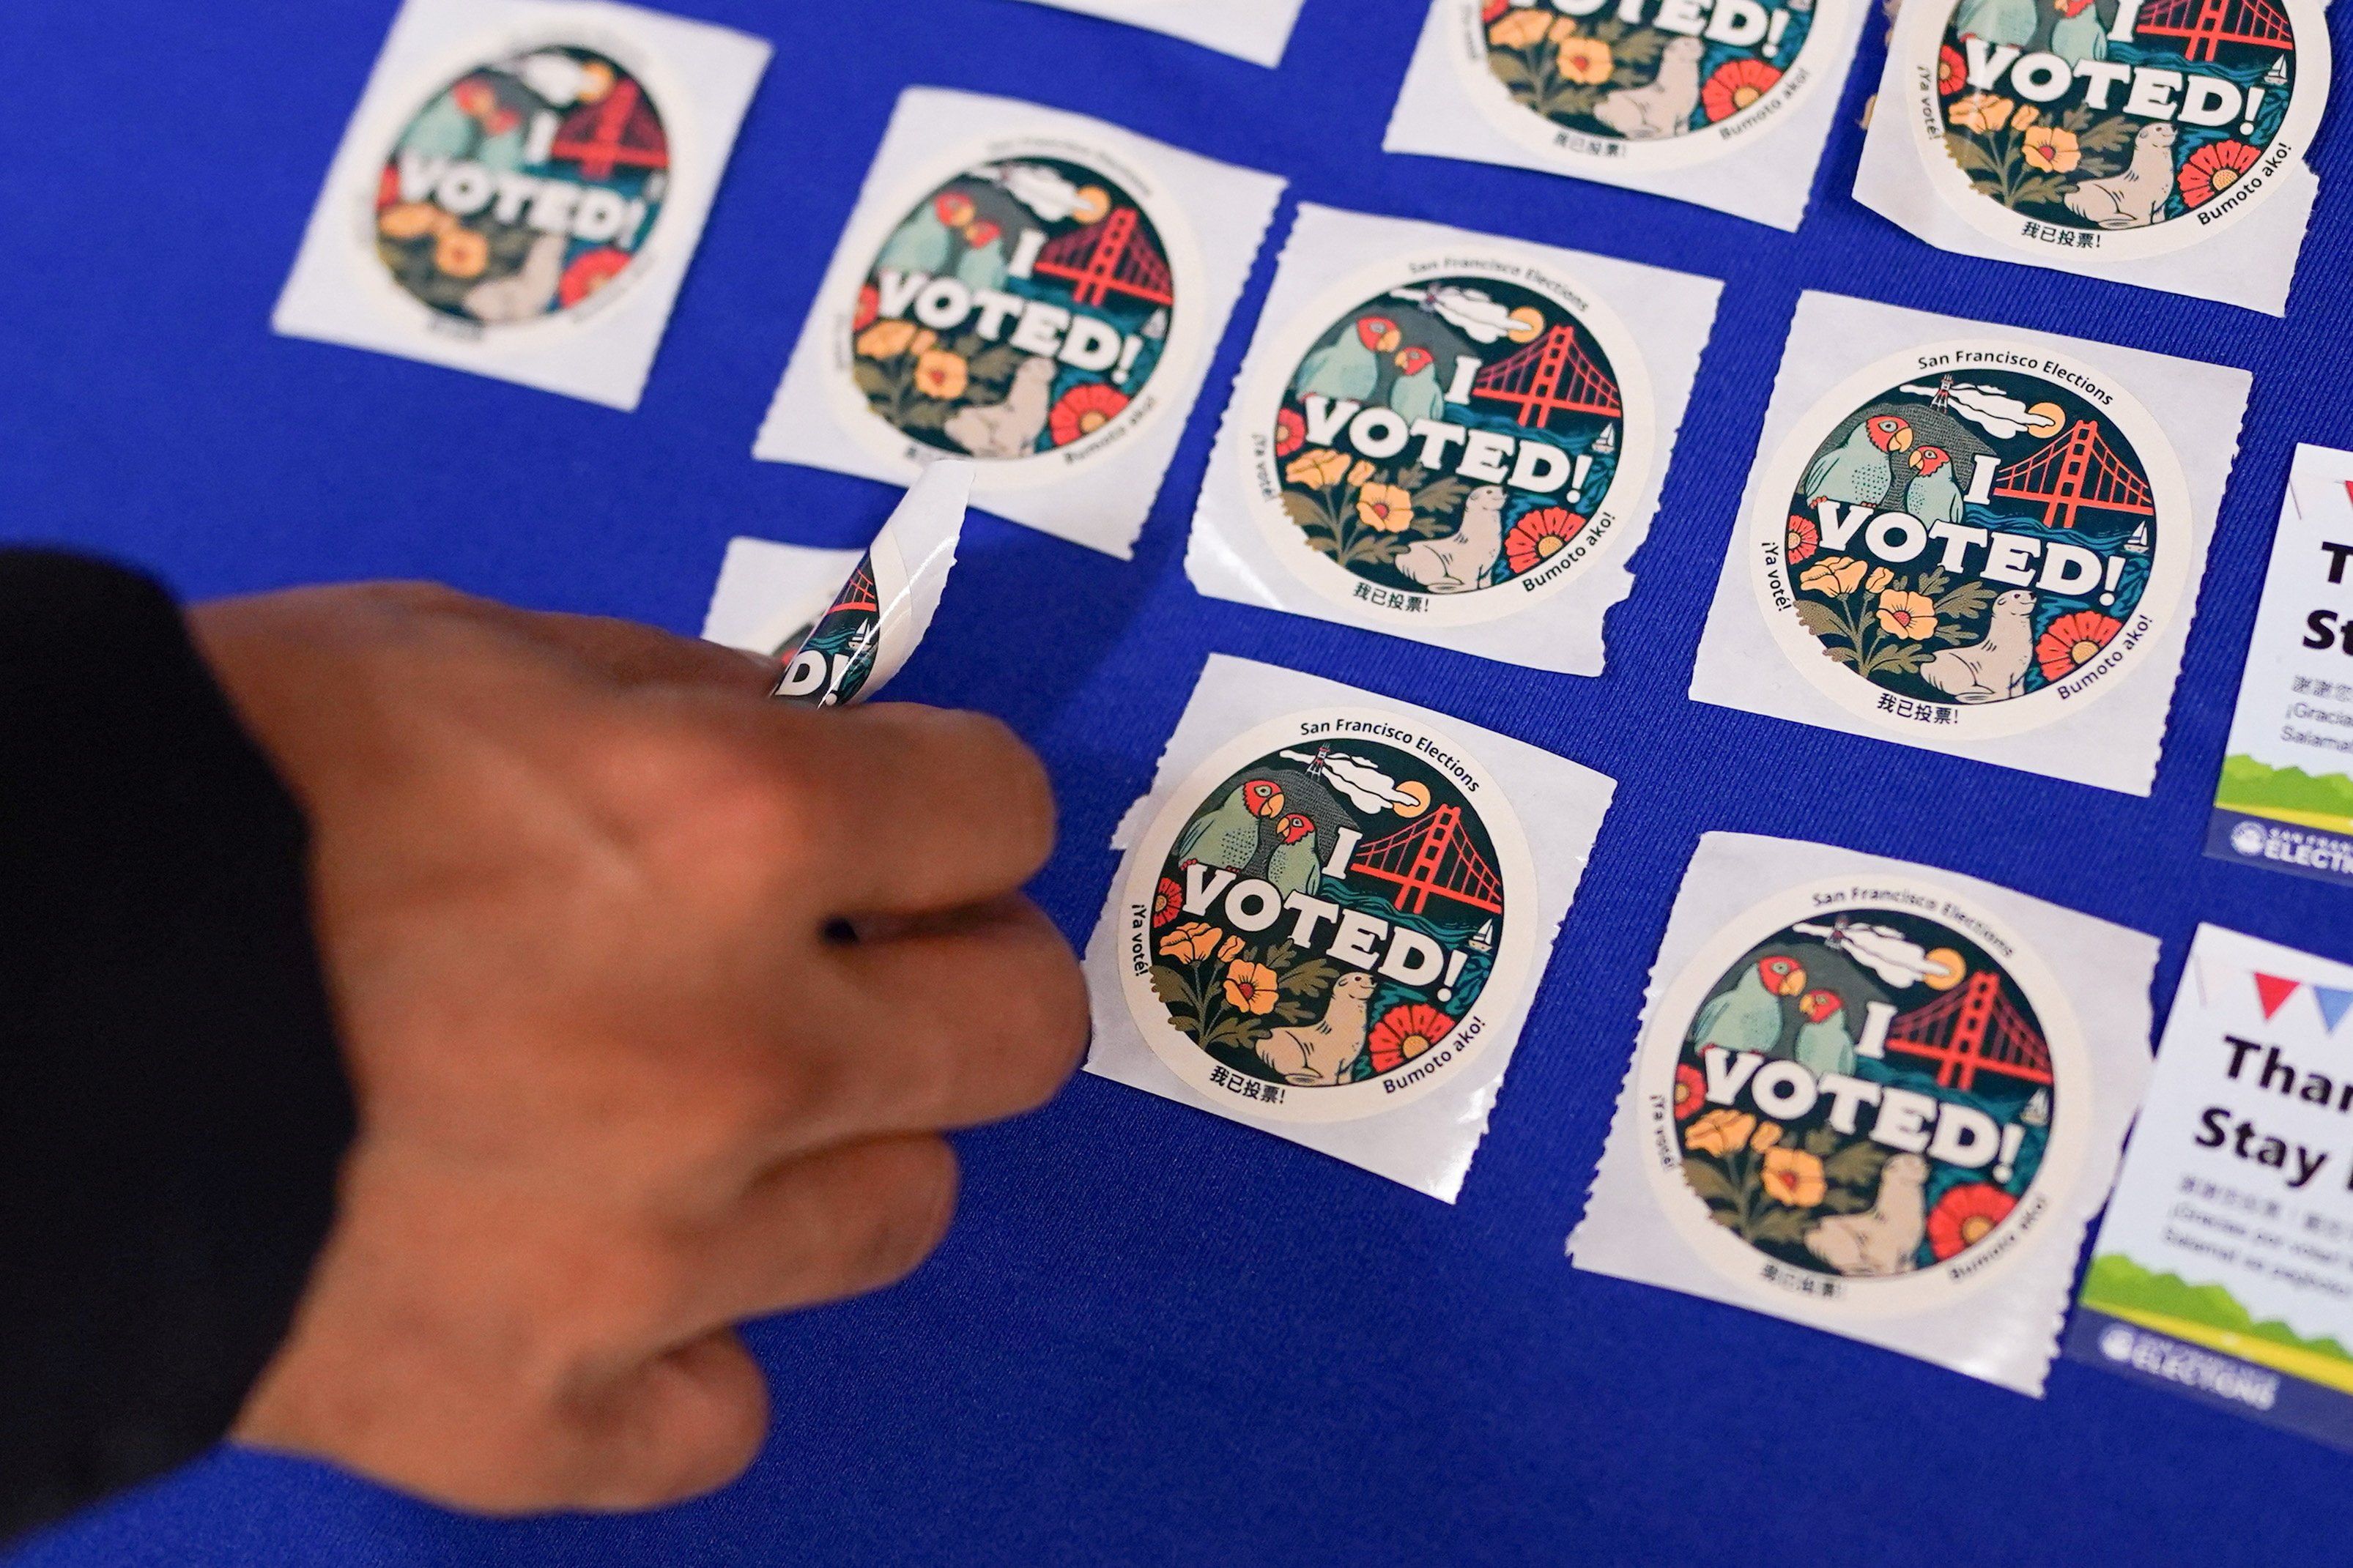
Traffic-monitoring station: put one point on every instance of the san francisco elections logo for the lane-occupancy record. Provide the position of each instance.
(1329, 916)
(1458, 433)
(1864, 1093)
(1968, 537)
(524, 189)
(1021, 308)
(1617, 77)
(2074, 123)
(830, 664)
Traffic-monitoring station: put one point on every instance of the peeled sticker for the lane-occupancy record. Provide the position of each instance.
(1256, 31)
(880, 617)
(2158, 142)
(770, 596)
(1449, 437)
(1034, 291)
(1725, 103)
(1973, 539)
(1332, 916)
(520, 190)
(1876, 1099)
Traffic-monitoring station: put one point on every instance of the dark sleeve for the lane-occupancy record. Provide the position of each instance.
(173, 1106)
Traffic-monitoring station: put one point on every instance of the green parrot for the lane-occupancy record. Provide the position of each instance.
(1291, 866)
(2078, 35)
(1997, 21)
(1857, 471)
(1748, 1017)
(443, 130)
(1933, 497)
(1226, 837)
(923, 242)
(1415, 395)
(1823, 1044)
(1349, 370)
(982, 267)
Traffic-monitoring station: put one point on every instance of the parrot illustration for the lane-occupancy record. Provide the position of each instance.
(1228, 838)
(2078, 35)
(1290, 863)
(1997, 21)
(1933, 497)
(1414, 394)
(1349, 370)
(923, 242)
(504, 151)
(982, 268)
(1857, 471)
(1823, 1044)
(443, 130)
(1748, 1017)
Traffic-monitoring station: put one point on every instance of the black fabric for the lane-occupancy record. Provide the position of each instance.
(172, 1102)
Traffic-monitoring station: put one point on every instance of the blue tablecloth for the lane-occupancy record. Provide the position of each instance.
(1156, 1336)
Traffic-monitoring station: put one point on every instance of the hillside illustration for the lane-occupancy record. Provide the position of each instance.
(2286, 795)
(2209, 1315)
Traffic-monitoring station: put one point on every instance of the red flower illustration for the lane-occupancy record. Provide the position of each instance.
(869, 305)
(589, 272)
(1290, 432)
(1168, 901)
(1965, 1216)
(1805, 537)
(1084, 410)
(1405, 1032)
(1691, 1092)
(1537, 536)
(1735, 85)
(1952, 71)
(387, 189)
(2072, 642)
(1492, 9)
(2213, 169)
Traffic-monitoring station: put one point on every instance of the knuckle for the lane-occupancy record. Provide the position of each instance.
(1054, 1022)
(916, 1203)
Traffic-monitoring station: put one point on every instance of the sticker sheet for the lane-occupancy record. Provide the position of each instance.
(1725, 103)
(882, 612)
(1256, 30)
(1877, 1098)
(770, 596)
(1973, 539)
(522, 189)
(2224, 1268)
(1449, 437)
(2285, 798)
(1332, 916)
(2158, 142)
(1034, 290)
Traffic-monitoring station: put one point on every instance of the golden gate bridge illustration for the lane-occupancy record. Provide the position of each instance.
(1551, 375)
(1430, 855)
(619, 131)
(2072, 474)
(2205, 26)
(1970, 1030)
(1111, 256)
(859, 593)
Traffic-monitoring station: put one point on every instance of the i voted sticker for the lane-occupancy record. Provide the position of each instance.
(1862, 1092)
(2120, 128)
(1447, 437)
(524, 189)
(1330, 917)
(1019, 311)
(1970, 539)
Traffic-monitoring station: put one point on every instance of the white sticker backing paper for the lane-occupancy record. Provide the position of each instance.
(770, 595)
(1876, 1099)
(1726, 103)
(1973, 539)
(522, 189)
(2158, 142)
(1256, 30)
(1450, 436)
(1034, 290)
(1332, 916)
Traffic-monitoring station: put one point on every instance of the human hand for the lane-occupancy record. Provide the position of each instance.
(581, 895)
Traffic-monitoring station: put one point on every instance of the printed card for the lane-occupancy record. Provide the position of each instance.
(769, 596)
(1037, 292)
(1256, 30)
(1725, 103)
(1873, 1098)
(521, 191)
(1332, 917)
(2285, 799)
(2224, 1270)
(2158, 142)
(1975, 540)
(1449, 437)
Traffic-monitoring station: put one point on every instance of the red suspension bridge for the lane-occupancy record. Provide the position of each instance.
(1551, 375)
(1973, 1029)
(1111, 256)
(622, 130)
(2075, 473)
(1431, 855)
(2205, 26)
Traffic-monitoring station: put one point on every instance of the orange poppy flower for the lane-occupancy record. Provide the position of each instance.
(1735, 85)
(1192, 941)
(1084, 410)
(885, 340)
(1586, 61)
(1965, 1216)
(461, 253)
(1905, 615)
(1793, 1178)
(1251, 986)
(1980, 111)
(1520, 29)
(1539, 536)
(1386, 507)
(2213, 169)
(411, 220)
(1405, 1032)
(1319, 470)
(2051, 149)
(941, 374)
(2072, 642)
(1720, 1132)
